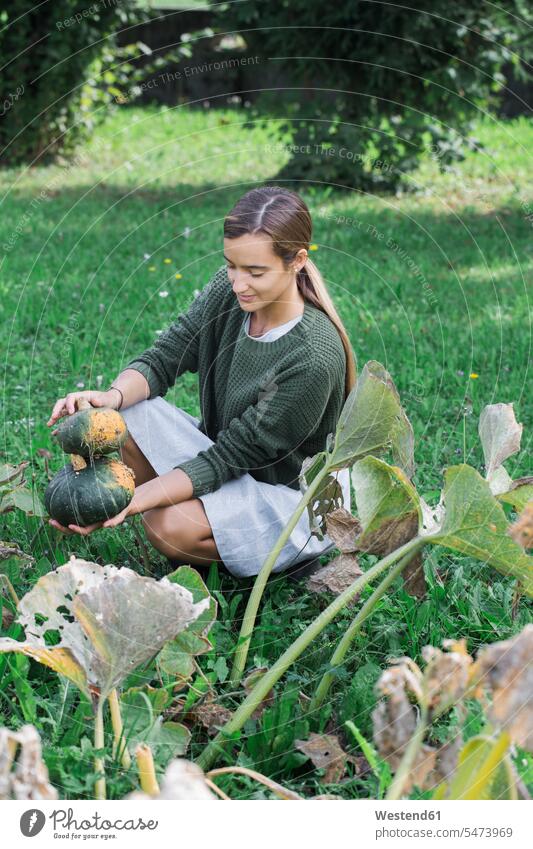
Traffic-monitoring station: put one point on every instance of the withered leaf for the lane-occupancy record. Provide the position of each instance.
(414, 579)
(108, 620)
(325, 752)
(336, 576)
(249, 683)
(500, 435)
(209, 714)
(522, 530)
(343, 529)
(29, 778)
(506, 668)
(446, 674)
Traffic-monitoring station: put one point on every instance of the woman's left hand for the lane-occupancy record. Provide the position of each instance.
(88, 529)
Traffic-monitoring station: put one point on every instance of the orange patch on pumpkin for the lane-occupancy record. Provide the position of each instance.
(105, 427)
(122, 475)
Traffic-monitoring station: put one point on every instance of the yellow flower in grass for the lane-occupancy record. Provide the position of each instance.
(167, 261)
(151, 268)
(474, 375)
(178, 276)
(313, 247)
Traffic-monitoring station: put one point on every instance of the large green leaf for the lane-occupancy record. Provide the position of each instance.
(21, 498)
(372, 421)
(388, 506)
(475, 524)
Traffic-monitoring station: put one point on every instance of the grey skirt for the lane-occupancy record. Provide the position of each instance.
(246, 516)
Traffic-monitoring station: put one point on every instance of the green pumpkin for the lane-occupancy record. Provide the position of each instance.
(92, 431)
(81, 494)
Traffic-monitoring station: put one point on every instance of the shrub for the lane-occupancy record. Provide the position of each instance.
(367, 87)
(50, 53)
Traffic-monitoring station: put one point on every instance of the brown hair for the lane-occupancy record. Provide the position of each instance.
(283, 215)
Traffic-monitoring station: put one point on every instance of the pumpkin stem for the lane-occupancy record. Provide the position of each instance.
(78, 463)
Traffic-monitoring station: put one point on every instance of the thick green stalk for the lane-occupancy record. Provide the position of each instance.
(340, 652)
(267, 681)
(120, 749)
(396, 788)
(250, 614)
(99, 743)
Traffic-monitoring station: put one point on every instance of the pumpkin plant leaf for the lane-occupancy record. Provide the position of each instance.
(106, 620)
(372, 421)
(23, 773)
(328, 497)
(9, 473)
(336, 576)
(176, 657)
(518, 493)
(500, 435)
(22, 498)
(388, 506)
(505, 668)
(343, 528)
(477, 767)
(475, 524)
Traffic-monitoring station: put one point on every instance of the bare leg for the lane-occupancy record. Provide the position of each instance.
(182, 532)
(133, 457)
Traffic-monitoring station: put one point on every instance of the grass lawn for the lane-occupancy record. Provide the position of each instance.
(433, 283)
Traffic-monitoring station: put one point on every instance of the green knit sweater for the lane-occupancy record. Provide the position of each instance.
(266, 405)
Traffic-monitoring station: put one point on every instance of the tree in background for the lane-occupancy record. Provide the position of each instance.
(54, 82)
(367, 87)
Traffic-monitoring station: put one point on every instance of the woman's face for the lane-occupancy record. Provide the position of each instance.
(257, 273)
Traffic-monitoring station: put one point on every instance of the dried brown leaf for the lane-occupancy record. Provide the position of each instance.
(109, 621)
(522, 530)
(336, 576)
(506, 668)
(343, 528)
(392, 534)
(29, 778)
(209, 714)
(324, 752)
(446, 675)
(249, 683)
(414, 579)
(500, 435)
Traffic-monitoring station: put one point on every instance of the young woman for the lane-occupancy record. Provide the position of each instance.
(275, 366)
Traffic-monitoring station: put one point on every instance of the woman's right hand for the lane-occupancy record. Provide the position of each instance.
(67, 406)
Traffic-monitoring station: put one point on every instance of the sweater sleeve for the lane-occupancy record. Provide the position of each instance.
(286, 414)
(175, 351)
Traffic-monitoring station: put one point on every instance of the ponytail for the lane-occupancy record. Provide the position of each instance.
(313, 289)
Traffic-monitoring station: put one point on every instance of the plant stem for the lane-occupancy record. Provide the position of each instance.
(99, 743)
(250, 614)
(344, 644)
(396, 788)
(145, 765)
(120, 748)
(11, 590)
(267, 681)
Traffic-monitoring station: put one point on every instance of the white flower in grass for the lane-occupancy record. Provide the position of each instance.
(80, 385)
(187, 232)
(147, 256)
(163, 294)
